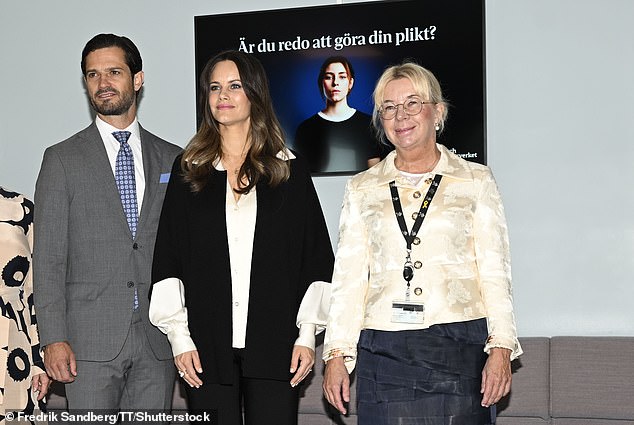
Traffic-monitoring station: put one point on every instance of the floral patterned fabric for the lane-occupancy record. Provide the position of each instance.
(461, 262)
(20, 357)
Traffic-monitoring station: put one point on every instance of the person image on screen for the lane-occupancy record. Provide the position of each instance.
(99, 195)
(339, 137)
(421, 290)
(242, 243)
(23, 381)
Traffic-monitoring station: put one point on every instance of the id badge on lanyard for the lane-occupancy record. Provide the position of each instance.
(406, 310)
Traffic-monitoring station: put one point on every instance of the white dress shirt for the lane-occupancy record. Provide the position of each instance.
(112, 149)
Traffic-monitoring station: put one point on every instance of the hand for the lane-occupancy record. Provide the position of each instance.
(39, 384)
(496, 376)
(337, 384)
(188, 365)
(59, 361)
(303, 357)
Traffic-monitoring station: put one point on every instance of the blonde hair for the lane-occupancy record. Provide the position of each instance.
(425, 84)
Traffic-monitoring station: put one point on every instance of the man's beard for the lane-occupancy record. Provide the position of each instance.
(108, 107)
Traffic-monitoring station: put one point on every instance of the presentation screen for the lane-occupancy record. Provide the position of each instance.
(305, 51)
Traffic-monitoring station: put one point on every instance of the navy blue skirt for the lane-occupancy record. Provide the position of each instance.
(423, 377)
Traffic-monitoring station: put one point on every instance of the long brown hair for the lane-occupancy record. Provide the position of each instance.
(265, 134)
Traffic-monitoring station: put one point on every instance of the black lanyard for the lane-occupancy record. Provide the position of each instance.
(408, 270)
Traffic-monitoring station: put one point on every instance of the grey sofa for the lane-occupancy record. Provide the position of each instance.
(569, 380)
(558, 381)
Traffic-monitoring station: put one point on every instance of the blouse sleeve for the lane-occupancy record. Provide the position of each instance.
(169, 314)
(349, 283)
(494, 266)
(313, 313)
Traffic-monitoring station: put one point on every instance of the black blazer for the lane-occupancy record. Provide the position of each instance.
(291, 249)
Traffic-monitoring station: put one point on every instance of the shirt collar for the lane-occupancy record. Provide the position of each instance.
(106, 129)
(449, 165)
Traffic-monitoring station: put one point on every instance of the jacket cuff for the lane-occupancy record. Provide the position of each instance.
(509, 343)
(349, 357)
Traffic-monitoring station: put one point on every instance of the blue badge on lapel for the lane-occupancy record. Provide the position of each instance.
(165, 177)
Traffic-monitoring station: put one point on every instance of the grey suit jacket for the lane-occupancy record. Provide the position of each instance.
(86, 265)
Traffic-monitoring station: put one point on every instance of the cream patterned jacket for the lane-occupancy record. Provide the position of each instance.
(461, 261)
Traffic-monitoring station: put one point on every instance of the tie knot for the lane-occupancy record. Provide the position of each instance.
(121, 136)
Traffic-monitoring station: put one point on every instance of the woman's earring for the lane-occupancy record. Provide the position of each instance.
(437, 126)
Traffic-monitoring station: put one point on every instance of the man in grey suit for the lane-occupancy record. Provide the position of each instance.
(99, 196)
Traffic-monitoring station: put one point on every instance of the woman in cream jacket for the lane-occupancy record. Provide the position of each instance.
(424, 312)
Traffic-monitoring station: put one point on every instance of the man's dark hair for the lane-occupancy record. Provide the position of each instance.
(101, 41)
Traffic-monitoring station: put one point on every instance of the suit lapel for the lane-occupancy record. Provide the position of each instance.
(98, 165)
(151, 170)
(97, 161)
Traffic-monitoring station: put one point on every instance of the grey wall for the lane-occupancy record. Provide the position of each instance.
(560, 105)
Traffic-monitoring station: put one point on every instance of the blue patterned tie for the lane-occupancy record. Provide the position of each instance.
(124, 176)
(126, 183)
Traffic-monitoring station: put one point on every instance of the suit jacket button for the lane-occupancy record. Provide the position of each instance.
(130, 284)
(135, 246)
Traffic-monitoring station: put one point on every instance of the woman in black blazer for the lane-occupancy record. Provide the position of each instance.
(242, 243)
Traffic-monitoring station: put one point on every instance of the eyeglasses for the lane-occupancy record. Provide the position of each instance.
(411, 107)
